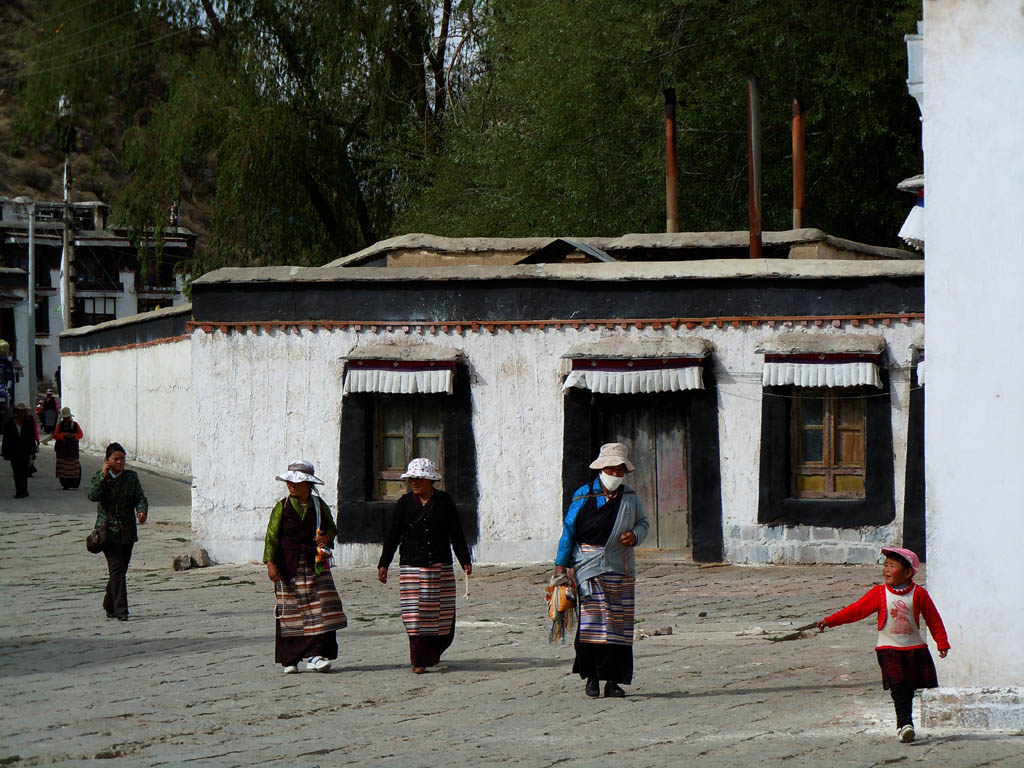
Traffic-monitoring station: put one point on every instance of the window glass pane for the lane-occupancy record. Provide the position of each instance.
(392, 419)
(850, 447)
(393, 453)
(429, 419)
(812, 447)
(810, 484)
(426, 447)
(812, 410)
(851, 410)
(850, 484)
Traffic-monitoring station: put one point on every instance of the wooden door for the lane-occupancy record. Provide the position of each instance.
(655, 432)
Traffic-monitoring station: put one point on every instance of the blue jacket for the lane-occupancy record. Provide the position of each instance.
(613, 557)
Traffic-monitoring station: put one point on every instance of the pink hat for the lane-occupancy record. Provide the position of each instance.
(904, 554)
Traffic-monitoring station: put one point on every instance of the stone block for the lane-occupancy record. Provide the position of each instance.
(773, 533)
(808, 554)
(824, 534)
(200, 558)
(862, 555)
(974, 708)
(833, 555)
(851, 534)
(181, 563)
(798, 533)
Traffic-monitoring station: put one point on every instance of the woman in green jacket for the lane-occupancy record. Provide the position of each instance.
(120, 501)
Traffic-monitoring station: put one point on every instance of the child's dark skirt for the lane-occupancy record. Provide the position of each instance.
(913, 666)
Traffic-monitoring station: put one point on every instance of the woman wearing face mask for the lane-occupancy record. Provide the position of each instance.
(604, 522)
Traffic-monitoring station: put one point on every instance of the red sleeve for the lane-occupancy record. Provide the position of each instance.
(78, 432)
(923, 605)
(856, 611)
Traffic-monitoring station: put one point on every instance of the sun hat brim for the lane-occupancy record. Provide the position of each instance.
(423, 475)
(299, 477)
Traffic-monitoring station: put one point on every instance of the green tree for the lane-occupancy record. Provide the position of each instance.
(564, 136)
(280, 112)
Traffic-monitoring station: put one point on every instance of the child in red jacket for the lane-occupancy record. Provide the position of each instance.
(902, 652)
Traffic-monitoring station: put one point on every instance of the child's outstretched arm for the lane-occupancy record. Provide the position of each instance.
(854, 612)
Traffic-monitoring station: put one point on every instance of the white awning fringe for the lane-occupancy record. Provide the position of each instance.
(637, 382)
(778, 374)
(399, 382)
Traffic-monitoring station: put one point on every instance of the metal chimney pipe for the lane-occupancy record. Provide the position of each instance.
(799, 164)
(671, 169)
(754, 149)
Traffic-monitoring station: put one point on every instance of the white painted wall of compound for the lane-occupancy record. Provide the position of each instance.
(974, 171)
(263, 398)
(139, 397)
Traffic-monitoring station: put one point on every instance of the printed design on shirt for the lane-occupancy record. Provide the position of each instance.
(900, 621)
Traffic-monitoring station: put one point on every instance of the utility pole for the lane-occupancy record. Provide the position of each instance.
(30, 364)
(66, 254)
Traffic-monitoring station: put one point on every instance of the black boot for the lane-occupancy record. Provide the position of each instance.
(613, 691)
(593, 688)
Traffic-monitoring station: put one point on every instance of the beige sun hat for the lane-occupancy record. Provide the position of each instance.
(65, 413)
(612, 455)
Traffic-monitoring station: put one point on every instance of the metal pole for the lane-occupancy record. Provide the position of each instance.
(31, 362)
(671, 170)
(799, 164)
(65, 257)
(754, 168)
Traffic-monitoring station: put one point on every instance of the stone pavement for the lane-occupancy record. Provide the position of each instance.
(190, 679)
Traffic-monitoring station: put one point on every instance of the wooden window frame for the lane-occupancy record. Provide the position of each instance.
(411, 434)
(829, 466)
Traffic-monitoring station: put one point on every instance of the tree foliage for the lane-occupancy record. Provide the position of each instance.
(566, 136)
(314, 128)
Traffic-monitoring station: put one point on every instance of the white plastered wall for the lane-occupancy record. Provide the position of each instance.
(140, 397)
(265, 397)
(974, 414)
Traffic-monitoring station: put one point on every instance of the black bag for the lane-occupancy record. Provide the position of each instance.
(96, 540)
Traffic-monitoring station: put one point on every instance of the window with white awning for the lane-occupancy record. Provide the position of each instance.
(822, 360)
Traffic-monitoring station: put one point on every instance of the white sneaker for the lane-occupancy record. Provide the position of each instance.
(318, 664)
(907, 734)
(291, 669)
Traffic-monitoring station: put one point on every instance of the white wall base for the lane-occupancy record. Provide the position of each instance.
(974, 708)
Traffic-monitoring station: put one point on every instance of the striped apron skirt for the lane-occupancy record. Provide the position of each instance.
(428, 611)
(604, 636)
(310, 604)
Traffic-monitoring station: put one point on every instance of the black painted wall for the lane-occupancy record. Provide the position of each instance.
(775, 507)
(914, 528)
(538, 298)
(361, 519)
(150, 329)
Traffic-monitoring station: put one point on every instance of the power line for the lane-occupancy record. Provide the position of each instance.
(57, 15)
(63, 38)
(106, 55)
(46, 60)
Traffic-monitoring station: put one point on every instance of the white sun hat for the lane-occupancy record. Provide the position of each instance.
(424, 468)
(300, 471)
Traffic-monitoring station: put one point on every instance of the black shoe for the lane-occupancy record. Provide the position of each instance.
(613, 691)
(593, 688)
(122, 617)
(110, 615)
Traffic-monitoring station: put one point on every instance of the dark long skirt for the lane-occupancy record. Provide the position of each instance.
(289, 651)
(913, 667)
(604, 634)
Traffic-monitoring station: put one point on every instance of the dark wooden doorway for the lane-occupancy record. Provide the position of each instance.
(654, 429)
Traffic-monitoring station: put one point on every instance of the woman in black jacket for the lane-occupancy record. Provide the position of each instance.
(426, 525)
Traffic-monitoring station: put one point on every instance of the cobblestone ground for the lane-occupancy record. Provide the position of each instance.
(190, 679)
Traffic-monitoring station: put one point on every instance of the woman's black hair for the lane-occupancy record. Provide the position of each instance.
(114, 447)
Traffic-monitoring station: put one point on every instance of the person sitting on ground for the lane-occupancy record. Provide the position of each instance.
(901, 650)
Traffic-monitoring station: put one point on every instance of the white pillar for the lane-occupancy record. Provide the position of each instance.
(974, 420)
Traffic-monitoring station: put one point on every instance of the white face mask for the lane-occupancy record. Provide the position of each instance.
(610, 482)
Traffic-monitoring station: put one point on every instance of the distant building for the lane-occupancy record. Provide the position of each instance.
(109, 280)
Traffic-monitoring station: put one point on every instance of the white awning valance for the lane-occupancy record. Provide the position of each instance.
(920, 374)
(822, 360)
(400, 377)
(634, 377)
(824, 372)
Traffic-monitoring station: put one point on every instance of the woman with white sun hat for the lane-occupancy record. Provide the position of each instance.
(296, 550)
(426, 524)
